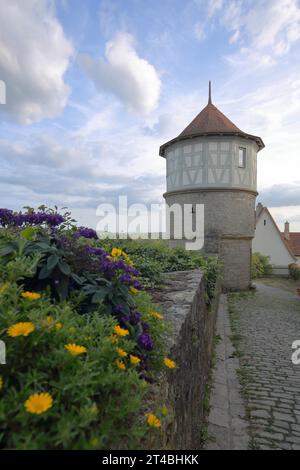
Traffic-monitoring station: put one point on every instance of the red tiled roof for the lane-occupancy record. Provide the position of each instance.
(210, 121)
(293, 242)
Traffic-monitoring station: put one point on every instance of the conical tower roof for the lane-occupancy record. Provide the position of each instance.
(211, 121)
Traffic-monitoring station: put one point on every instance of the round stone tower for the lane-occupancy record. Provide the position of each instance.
(213, 162)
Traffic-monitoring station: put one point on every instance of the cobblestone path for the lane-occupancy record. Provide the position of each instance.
(264, 326)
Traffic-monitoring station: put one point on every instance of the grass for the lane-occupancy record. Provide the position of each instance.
(205, 437)
(281, 283)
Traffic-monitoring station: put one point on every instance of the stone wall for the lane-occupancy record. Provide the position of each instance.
(183, 390)
(236, 258)
(229, 225)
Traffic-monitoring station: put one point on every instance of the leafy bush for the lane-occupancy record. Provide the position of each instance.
(83, 340)
(68, 267)
(153, 258)
(294, 270)
(71, 381)
(260, 266)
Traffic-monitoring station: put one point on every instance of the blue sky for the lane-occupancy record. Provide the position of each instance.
(93, 88)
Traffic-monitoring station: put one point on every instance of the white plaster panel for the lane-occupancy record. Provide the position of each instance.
(211, 176)
(225, 146)
(213, 146)
(198, 147)
(187, 149)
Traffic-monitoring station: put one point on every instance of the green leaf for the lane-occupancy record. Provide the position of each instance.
(6, 250)
(52, 262)
(79, 280)
(41, 246)
(64, 268)
(29, 233)
(99, 296)
(62, 287)
(44, 272)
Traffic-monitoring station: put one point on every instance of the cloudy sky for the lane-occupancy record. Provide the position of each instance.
(94, 87)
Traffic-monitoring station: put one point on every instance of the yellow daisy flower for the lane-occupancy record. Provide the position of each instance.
(134, 360)
(3, 288)
(75, 349)
(156, 315)
(120, 364)
(31, 295)
(169, 363)
(120, 331)
(38, 403)
(94, 442)
(94, 409)
(153, 421)
(20, 329)
(58, 325)
(133, 290)
(121, 352)
(116, 252)
(113, 339)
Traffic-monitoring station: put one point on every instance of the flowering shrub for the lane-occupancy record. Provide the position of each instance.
(260, 266)
(294, 270)
(8, 217)
(91, 278)
(72, 381)
(83, 338)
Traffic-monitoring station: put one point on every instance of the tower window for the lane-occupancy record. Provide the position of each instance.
(242, 157)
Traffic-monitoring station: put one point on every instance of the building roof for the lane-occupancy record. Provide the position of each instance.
(293, 242)
(210, 121)
(264, 210)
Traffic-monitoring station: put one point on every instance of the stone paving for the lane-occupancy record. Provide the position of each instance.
(227, 426)
(264, 325)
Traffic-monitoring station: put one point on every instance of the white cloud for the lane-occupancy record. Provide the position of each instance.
(287, 213)
(274, 24)
(199, 32)
(109, 21)
(129, 77)
(96, 122)
(34, 56)
(264, 32)
(280, 195)
(214, 6)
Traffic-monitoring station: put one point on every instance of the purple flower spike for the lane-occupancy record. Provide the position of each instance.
(145, 341)
(117, 309)
(6, 217)
(136, 284)
(125, 279)
(135, 318)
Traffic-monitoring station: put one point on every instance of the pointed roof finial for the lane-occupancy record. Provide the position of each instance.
(209, 92)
